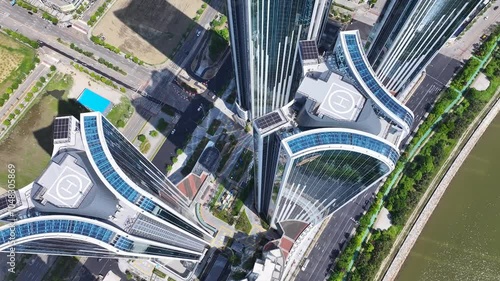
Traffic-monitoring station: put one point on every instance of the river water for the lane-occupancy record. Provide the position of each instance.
(461, 240)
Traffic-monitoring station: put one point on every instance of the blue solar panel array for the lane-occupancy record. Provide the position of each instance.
(124, 244)
(119, 184)
(325, 138)
(58, 226)
(369, 80)
(147, 204)
(102, 162)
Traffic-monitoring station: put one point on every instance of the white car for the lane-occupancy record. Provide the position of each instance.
(198, 33)
(173, 132)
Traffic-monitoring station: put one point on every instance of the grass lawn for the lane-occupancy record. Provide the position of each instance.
(16, 59)
(159, 273)
(241, 165)
(145, 146)
(29, 145)
(242, 196)
(225, 156)
(213, 127)
(243, 223)
(168, 110)
(220, 189)
(194, 158)
(61, 268)
(120, 113)
(161, 125)
(217, 45)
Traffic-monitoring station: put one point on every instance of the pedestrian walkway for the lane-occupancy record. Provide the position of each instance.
(18, 97)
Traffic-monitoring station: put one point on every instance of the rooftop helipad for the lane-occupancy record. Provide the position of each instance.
(342, 103)
(66, 183)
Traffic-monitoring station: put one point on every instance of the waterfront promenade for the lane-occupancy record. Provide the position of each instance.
(426, 213)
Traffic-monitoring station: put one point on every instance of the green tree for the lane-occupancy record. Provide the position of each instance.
(52, 68)
(120, 123)
(141, 138)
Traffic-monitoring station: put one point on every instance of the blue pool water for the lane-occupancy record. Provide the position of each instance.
(94, 102)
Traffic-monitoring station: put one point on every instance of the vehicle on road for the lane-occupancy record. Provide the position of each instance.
(13, 2)
(30, 12)
(198, 33)
(173, 132)
(304, 265)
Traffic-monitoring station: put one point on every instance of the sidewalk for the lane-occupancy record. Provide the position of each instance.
(156, 142)
(18, 97)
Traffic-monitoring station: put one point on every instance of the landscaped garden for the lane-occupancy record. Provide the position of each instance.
(120, 113)
(417, 171)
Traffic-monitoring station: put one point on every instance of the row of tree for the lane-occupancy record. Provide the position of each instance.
(418, 173)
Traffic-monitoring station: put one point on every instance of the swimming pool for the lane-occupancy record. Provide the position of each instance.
(94, 101)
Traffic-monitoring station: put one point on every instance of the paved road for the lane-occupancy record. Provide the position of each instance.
(102, 266)
(160, 83)
(462, 49)
(184, 128)
(36, 268)
(333, 238)
(155, 80)
(16, 18)
(438, 73)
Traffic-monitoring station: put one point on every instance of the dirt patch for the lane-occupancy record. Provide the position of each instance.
(148, 29)
(8, 62)
(15, 59)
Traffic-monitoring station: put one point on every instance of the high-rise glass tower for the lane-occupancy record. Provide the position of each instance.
(409, 34)
(100, 197)
(264, 37)
(339, 136)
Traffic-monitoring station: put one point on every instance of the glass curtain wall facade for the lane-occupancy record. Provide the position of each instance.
(323, 169)
(409, 35)
(264, 40)
(309, 167)
(100, 197)
(107, 240)
(146, 178)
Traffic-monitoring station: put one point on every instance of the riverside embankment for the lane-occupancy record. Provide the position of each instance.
(412, 270)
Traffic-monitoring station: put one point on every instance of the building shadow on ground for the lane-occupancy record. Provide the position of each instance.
(69, 107)
(162, 25)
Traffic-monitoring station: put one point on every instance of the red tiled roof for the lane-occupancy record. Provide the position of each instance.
(286, 244)
(190, 185)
